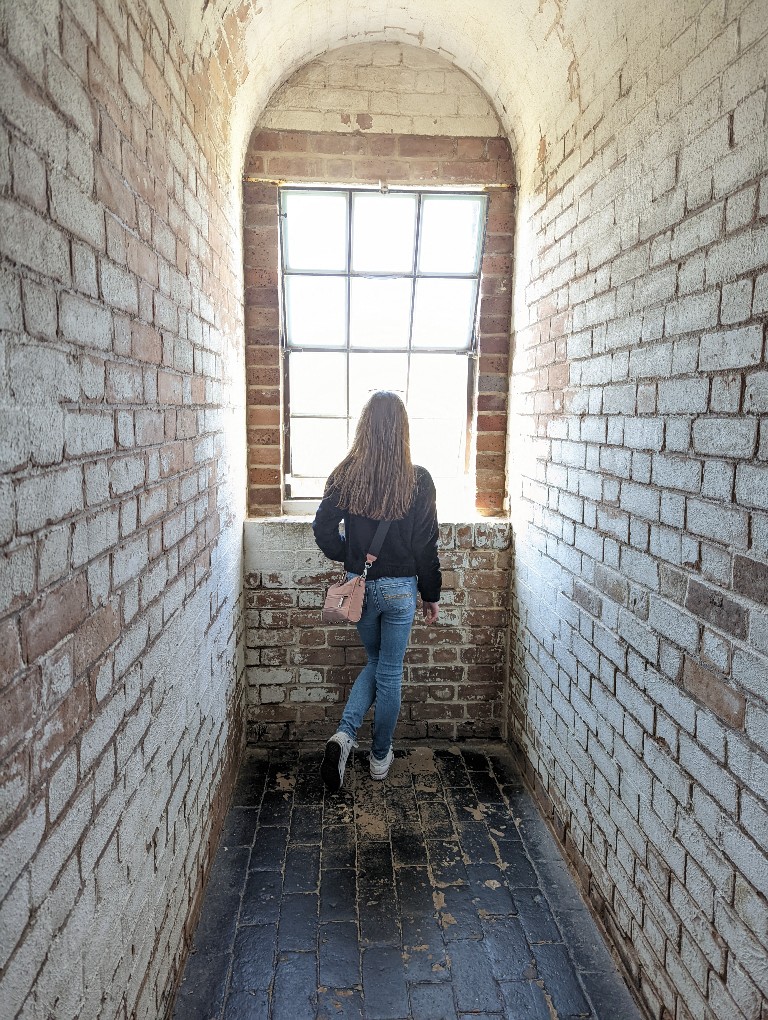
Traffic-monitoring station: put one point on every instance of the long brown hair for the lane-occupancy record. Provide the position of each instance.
(376, 479)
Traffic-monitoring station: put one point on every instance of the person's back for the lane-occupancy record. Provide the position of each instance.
(377, 482)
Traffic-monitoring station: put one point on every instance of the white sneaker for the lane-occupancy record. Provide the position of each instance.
(379, 769)
(335, 760)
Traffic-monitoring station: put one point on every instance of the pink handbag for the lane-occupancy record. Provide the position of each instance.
(344, 600)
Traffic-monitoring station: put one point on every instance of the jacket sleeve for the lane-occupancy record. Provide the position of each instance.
(326, 527)
(425, 538)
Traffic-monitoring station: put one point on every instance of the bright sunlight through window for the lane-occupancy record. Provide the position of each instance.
(379, 291)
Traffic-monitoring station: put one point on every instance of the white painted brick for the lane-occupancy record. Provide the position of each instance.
(753, 817)
(62, 785)
(708, 773)
(96, 483)
(760, 299)
(677, 435)
(736, 302)
(752, 485)
(726, 394)
(10, 300)
(88, 433)
(697, 231)
(691, 313)
(19, 846)
(39, 375)
(651, 361)
(736, 256)
(48, 498)
(59, 844)
(748, 858)
(101, 731)
(736, 348)
(75, 212)
(85, 322)
(677, 473)
(751, 671)
(14, 916)
(717, 481)
(93, 536)
(40, 311)
(674, 623)
(32, 241)
(129, 560)
(725, 437)
(724, 524)
(126, 474)
(92, 378)
(644, 433)
(118, 287)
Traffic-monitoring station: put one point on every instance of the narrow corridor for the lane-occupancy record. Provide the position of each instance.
(438, 894)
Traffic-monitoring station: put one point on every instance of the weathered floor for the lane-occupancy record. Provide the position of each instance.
(438, 894)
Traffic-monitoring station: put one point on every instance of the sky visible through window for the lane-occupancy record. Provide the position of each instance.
(379, 291)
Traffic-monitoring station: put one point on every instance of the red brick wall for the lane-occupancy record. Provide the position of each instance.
(296, 157)
(299, 672)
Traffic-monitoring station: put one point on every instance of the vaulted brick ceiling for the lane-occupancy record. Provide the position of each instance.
(540, 61)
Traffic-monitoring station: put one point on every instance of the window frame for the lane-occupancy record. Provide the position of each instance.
(471, 351)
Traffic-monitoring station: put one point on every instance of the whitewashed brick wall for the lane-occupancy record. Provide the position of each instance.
(384, 88)
(641, 586)
(121, 380)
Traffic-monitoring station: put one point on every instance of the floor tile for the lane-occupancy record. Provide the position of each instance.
(340, 1004)
(339, 954)
(299, 922)
(474, 984)
(384, 991)
(432, 1001)
(253, 957)
(247, 1006)
(294, 993)
(338, 895)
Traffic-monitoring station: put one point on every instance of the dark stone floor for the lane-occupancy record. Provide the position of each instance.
(436, 895)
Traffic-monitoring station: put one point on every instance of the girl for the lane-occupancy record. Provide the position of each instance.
(376, 481)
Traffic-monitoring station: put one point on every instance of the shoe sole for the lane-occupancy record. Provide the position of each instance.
(329, 770)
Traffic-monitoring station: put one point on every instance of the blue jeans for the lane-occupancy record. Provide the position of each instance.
(384, 628)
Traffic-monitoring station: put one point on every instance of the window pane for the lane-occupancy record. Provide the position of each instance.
(369, 372)
(438, 384)
(314, 308)
(443, 313)
(317, 445)
(451, 229)
(318, 383)
(383, 233)
(438, 444)
(315, 230)
(379, 313)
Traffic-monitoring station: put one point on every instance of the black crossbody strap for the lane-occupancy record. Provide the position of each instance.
(375, 546)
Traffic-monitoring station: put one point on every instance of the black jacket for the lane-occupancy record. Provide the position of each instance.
(410, 546)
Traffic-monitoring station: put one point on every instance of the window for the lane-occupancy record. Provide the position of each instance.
(379, 291)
